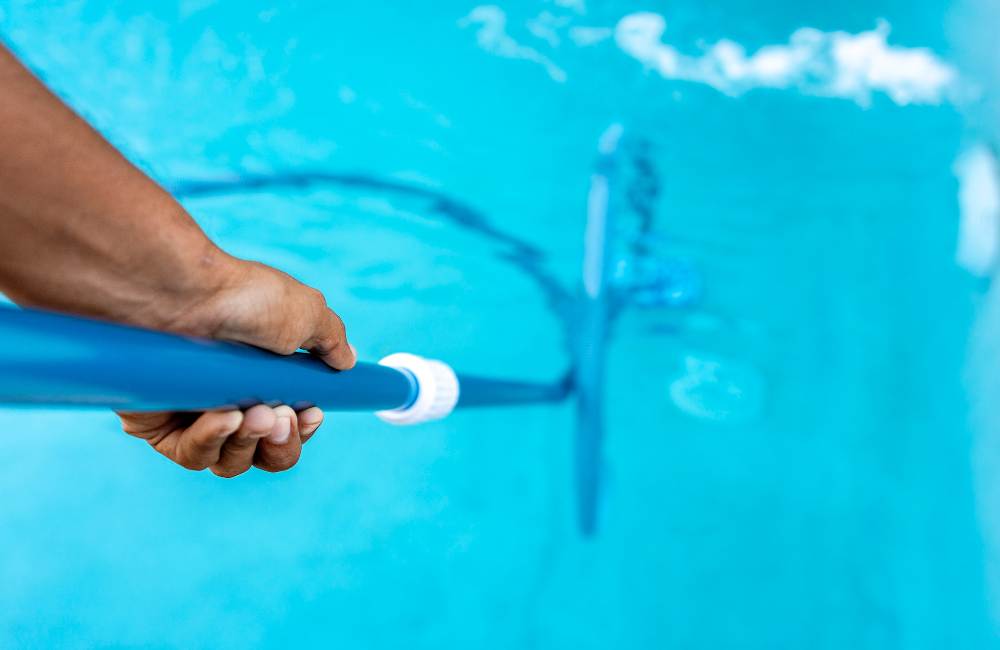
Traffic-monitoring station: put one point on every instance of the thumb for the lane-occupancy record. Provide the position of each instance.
(330, 342)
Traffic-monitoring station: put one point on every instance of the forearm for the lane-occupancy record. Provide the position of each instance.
(82, 229)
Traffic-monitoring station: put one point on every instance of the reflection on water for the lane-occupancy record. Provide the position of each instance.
(721, 390)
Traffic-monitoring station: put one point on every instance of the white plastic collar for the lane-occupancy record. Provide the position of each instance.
(437, 389)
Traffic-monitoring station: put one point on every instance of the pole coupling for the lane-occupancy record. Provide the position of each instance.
(435, 385)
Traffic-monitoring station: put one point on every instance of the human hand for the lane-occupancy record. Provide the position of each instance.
(227, 442)
(262, 306)
(86, 232)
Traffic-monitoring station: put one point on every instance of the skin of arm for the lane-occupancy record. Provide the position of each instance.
(86, 232)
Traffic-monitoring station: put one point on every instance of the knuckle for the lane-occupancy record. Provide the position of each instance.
(145, 426)
(228, 472)
(191, 464)
(277, 462)
(316, 299)
(240, 443)
(289, 337)
(285, 463)
(286, 346)
(337, 327)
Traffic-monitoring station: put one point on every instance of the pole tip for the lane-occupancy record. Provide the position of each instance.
(437, 389)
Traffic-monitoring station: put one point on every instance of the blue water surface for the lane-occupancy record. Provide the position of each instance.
(834, 505)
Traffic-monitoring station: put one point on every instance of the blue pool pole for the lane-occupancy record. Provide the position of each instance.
(49, 359)
(591, 333)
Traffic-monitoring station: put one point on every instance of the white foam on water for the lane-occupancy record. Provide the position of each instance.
(492, 36)
(579, 6)
(545, 27)
(719, 390)
(825, 64)
(584, 36)
(979, 211)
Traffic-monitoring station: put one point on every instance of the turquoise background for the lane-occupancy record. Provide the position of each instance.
(845, 514)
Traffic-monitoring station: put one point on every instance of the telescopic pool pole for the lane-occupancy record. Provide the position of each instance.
(49, 359)
(592, 330)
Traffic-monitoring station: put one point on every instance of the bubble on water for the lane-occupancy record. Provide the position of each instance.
(718, 389)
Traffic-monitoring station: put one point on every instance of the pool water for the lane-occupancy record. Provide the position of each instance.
(804, 458)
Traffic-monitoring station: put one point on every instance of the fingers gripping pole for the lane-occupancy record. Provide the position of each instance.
(436, 388)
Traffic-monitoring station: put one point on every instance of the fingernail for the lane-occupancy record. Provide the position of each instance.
(354, 351)
(231, 424)
(310, 415)
(280, 431)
